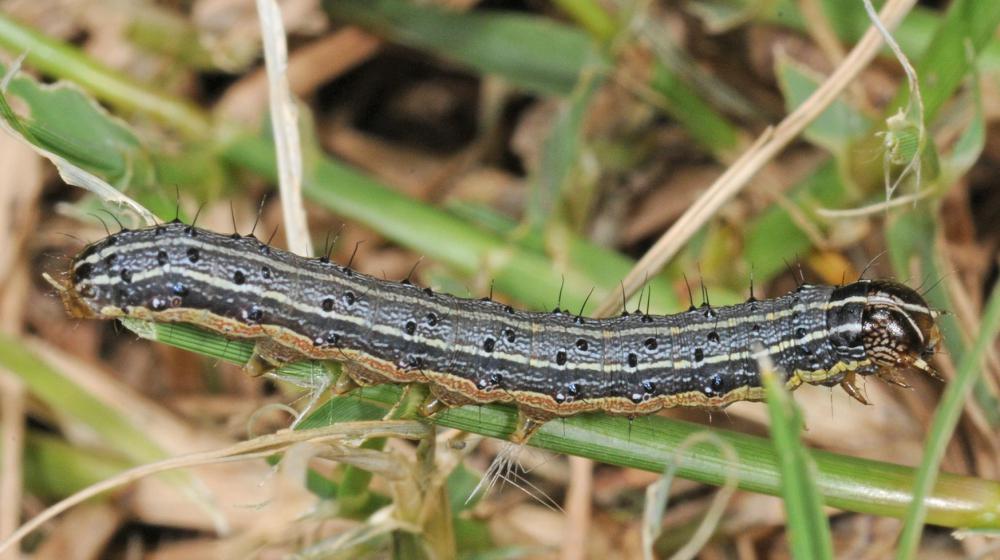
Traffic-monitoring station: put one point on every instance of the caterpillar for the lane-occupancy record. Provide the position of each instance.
(481, 351)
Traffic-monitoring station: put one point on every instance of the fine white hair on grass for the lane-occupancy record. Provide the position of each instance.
(506, 468)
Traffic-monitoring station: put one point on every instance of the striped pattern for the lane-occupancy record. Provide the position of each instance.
(475, 350)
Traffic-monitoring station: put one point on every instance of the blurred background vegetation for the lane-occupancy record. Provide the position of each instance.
(535, 150)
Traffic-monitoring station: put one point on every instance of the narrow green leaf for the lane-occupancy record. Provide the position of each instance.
(945, 419)
(66, 61)
(534, 53)
(683, 103)
(808, 528)
(75, 403)
(554, 178)
(838, 127)
(66, 121)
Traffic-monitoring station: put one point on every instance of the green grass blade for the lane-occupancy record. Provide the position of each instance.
(849, 22)
(63, 60)
(591, 15)
(943, 425)
(74, 402)
(808, 528)
(55, 469)
(708, 127)
(534, 53)
(650, 443)
(967, 24)
(555, 178)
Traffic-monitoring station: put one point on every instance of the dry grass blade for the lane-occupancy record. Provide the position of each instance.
(285, 127)
(263, 446)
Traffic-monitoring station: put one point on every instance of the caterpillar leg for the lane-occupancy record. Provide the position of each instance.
(442, 399)
(432, 405)
(848, 383)
(345, 384)
(268, 356)
(527, 425)
(355, 376)
(890, 376)
(923, 366)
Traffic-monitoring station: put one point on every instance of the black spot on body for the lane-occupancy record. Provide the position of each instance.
(327, 304)
(489, 344)
(800, 332)
(111, 258)
(633, 359)
(179, 289)
(413, 361)
(239, 278)
(161, 257)
(573, 389)
(126, 275)
(581, 343)
(253, 315)
(699, 354)
(561, 358)
(713, 336)
(410, 327)
(82, 272)
(509, 335)
(350, 298)
(265, 272)
(432, 319)
(648, 386)
(650, 343)
(193, 254)
(428, 291)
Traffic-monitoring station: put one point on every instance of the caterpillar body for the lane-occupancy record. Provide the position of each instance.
(481, 351)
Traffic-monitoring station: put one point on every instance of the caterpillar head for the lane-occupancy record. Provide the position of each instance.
(105, 280)
(79, 294)
(898, 329)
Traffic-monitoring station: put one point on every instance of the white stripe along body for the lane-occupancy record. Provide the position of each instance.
(477, 351)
